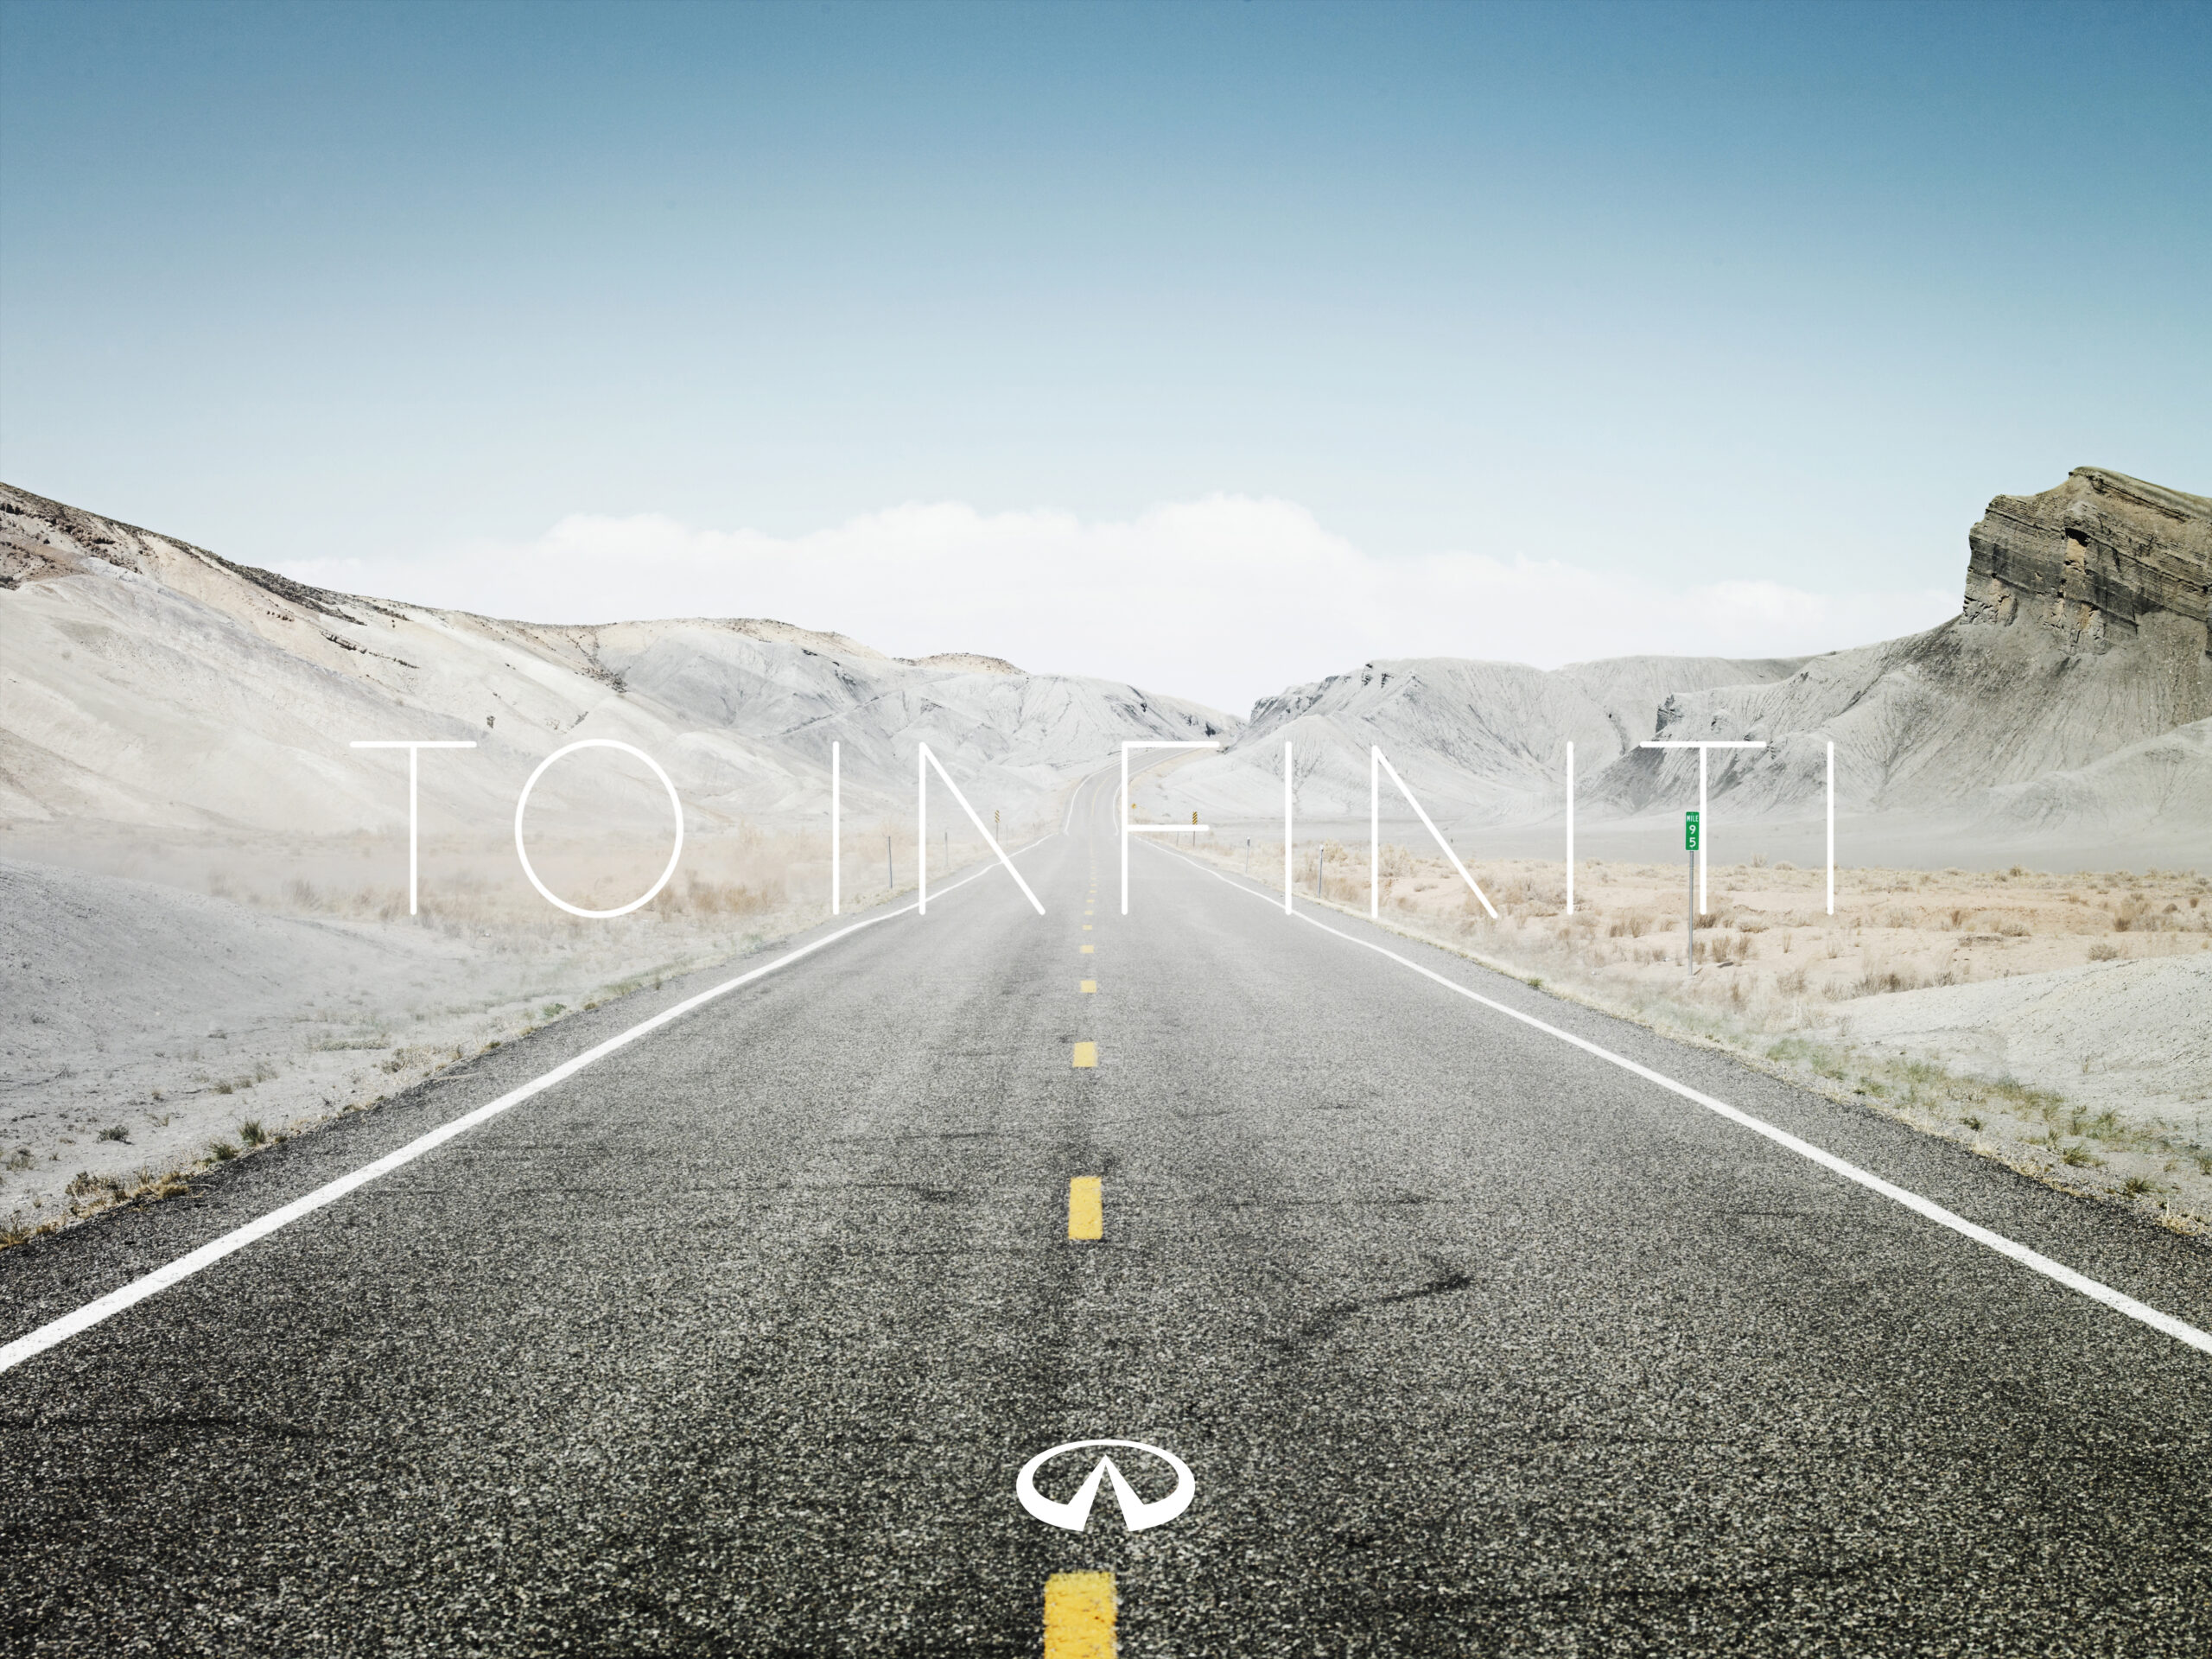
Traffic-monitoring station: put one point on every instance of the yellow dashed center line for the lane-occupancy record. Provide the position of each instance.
(1088, 949)
(1079, 1616)
(1086, 1208)
(1088, 985)
(1086, 1054)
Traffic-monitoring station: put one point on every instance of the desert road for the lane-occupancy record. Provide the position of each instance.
(738, 1339)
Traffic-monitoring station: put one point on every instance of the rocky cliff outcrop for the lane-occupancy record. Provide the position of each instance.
(2082, 631)
(2096, 560)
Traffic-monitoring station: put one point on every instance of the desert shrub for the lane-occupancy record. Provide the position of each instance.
(1877, 981)
(2025, 1095)
(87, 1192)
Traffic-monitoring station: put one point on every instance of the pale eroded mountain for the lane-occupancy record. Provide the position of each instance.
(148, 682)
(2071, 697)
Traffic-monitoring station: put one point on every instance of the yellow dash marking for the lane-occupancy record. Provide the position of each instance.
(1088, 985)
(1086, 1054)
(1086, 927)
(1079, 1616)
(1086, 1208)
(1088, 949)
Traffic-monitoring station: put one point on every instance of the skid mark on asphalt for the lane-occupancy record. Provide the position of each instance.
(1333, 1317)
(926, 1192)
(1086, 1208)
(1079, 1616)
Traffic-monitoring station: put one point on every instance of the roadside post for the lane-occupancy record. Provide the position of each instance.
(1689, 933)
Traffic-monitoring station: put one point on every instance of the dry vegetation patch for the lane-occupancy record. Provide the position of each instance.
(1777, 978)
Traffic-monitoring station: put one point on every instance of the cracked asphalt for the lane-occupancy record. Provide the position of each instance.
(734, 1342)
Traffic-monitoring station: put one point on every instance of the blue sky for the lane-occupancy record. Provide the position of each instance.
(1677, 295)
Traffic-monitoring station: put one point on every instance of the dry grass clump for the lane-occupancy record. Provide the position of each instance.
(87, 1194)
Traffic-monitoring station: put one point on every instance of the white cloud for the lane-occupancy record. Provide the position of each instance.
(1225, 599)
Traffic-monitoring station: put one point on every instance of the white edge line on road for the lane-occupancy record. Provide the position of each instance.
(56, 1332)
(1075, 795)
(2179, 1329)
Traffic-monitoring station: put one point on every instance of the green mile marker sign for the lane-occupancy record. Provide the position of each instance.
(1689, 831)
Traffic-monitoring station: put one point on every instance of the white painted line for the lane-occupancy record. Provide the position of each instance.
(2165, 1323)
(1075, 796)
(56, 1332)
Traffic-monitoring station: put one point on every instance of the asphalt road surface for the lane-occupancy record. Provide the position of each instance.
(735, 1340)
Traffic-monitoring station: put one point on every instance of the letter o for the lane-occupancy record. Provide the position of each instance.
(674, 800)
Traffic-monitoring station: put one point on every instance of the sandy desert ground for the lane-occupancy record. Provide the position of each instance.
(2055, 1021)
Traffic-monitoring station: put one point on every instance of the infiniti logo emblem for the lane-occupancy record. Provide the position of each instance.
(1075, 1514)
